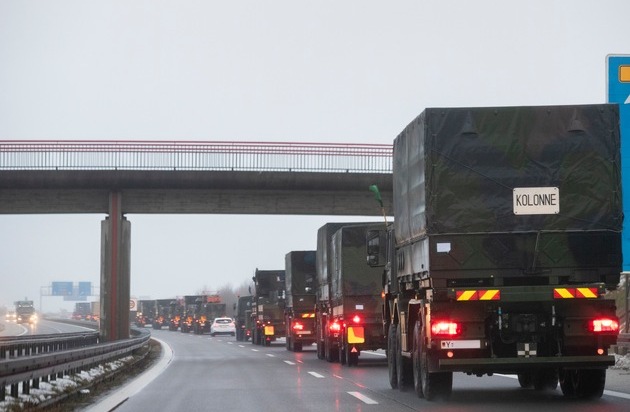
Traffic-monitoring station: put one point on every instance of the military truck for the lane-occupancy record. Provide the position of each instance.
(176, 313)
(208, 308)
(191, 303)
(506, 238)
(299, 313)
(268, 306)
(350, 318)
(146, 310)
(161, 313)
(243, 318)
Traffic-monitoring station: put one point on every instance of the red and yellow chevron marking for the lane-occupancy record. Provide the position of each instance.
(493, 294)
(563, 293)
(468, 295)
(571, 293)
(587, 293)
(465, 295)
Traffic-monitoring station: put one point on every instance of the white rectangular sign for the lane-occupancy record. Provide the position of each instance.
(536, 200)
(460, 344)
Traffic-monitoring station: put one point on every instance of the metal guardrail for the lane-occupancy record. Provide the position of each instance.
(28, 370)
(28, 345)
(220, 155)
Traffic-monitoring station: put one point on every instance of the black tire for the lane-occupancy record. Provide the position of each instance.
(545, 379)
(526, 380)
(583, 383)
(343, 352)
(297, 346)
(353, 359)
(288, 343)
(415, 361)
(392, 350)
(404, 370)
(332, 354)
(435, 385)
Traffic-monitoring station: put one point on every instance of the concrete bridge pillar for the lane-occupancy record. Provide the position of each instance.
(115, 272)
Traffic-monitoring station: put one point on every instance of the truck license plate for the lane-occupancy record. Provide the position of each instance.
(460, 344)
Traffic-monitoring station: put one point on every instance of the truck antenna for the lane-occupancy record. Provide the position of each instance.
(379, 199)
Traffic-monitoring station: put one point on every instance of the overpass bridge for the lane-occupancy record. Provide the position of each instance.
(125, 177)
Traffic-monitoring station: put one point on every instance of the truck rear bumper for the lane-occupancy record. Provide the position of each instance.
(519, 364)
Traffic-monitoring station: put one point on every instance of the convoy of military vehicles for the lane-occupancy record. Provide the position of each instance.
(505, 239)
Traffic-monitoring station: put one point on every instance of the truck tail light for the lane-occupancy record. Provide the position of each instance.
(298, 326)
(335, 327)
(445, 328)
(602, 325)
(356, 319)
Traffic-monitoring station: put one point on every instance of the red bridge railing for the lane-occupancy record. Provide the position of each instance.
(189, 155)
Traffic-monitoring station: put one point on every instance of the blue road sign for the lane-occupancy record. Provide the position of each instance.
(62, 288)
(618, 72)
(85, 288)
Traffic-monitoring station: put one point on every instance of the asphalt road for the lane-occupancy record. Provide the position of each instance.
(208, 374)
(42, 327)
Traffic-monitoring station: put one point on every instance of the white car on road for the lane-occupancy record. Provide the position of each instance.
(223, 326)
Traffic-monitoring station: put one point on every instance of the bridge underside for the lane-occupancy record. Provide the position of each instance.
(165, 192)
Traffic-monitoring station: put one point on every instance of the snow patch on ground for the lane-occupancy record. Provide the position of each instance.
(52, 389)
(622, 362)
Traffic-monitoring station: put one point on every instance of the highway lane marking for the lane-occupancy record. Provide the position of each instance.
(315, 374)
(363, 398)
(241, 346)
(255, 350)
(288, 362)
(617, 394)
(271, 356)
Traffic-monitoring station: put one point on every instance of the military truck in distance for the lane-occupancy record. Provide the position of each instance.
(506, 237)
(329, 304)
(353, 310)
(268, 306)
(243, 318)
(146, 310)
(208, 307)
(161, 313)
(176, 313)
(299, 312)
(191, 303)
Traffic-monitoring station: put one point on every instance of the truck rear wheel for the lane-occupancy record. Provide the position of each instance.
(331, 352)
(545, 379)
(404, 370)
(583, 383)
(392, 349)
(434, 384)
(297, 346)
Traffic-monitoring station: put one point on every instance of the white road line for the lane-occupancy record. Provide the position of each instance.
(315, 374)
(288, 362)
(112, 401)
(363, 398)
(271, 356)
(254, 350)
(241, 346)
(617, 394)
(230, 343)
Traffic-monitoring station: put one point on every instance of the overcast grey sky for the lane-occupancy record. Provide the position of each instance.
(317, 71)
